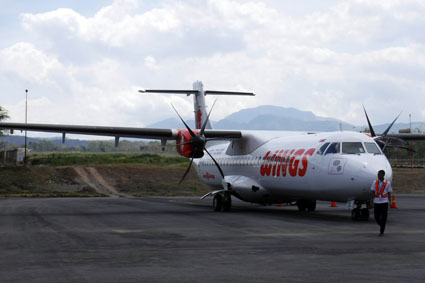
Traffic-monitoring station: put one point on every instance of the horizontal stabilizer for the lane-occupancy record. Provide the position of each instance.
(207, 92)
(170, 91)
(217, 92)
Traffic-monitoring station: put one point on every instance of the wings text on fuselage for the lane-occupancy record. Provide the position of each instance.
(286, 162)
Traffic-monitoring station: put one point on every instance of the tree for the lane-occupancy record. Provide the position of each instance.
(43, 146)
(3, 116)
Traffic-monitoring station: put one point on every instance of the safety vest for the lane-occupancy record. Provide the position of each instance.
(379, 194)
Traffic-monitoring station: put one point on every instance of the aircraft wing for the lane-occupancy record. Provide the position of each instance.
(408, 136)
(117, 132)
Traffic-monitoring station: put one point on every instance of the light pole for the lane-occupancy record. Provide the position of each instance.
(26, 121)
(411, 151)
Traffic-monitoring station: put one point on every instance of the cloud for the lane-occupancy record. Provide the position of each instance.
(113, 25)
(151, 64)
(30, 63)
(329, 60)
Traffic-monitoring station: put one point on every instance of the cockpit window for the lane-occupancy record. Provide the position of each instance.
(352, 148)
(333, 148)
(372, 148)
(323, 148)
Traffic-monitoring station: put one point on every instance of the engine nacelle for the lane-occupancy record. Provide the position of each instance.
(185, 145)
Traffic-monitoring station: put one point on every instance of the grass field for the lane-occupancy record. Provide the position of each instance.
(63, 159)
(56, 175)
(409, 181)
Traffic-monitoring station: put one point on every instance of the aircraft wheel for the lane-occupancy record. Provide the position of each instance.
(355, 214)
(227, 202)
(311, 205)
(302, 205)
(364, 214)
(217, 202)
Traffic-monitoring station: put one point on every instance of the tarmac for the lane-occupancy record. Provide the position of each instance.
(182, 240)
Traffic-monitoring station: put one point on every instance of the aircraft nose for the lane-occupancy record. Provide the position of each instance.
(370, 169)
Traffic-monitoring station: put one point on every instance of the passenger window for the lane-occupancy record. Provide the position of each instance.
(352, 148)
(333, 148)
(323, 148)
(372, 148)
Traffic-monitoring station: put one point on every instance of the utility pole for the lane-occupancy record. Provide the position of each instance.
(411, 150)
(26, 121)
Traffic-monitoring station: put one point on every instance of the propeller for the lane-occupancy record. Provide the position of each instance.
(197, 142)
(372, 132)
(383, 140)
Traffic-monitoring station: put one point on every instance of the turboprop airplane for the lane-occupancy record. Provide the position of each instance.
(265, 167)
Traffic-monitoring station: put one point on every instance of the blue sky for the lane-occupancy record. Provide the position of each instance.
(83, 61)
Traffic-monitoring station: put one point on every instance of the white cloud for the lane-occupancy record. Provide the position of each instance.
(30, 63)
(330, 60)
(113, 25)
(151, 64)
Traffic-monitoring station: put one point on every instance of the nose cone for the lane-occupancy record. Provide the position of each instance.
(372, 165)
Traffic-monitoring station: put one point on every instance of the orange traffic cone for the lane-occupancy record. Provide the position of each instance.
(333, 204)
(393, 202)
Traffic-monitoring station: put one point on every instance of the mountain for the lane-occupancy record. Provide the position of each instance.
(172, 123)
(268, 117)
(275, 118)
(281, 112)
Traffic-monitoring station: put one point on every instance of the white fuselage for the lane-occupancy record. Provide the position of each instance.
(273, 167)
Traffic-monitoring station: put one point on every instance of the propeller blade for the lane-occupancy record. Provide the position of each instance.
(216, 163)
(382, 144)
(187, 126)
(385, 146)
(389, 127)
(372, 132)
(206, 120)
(187, 171)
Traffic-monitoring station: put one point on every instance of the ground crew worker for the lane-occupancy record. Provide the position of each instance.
(381, 195)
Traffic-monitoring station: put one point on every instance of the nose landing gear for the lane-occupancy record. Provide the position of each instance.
(306, 205)
(360, 213)
(222, 202)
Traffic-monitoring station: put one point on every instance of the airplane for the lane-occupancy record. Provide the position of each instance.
(265, 167)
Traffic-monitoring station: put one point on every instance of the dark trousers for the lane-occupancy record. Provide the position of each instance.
(381, 212)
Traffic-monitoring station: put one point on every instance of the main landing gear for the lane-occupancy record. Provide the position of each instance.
(222, 202)
(360, 213)
(306, 205)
